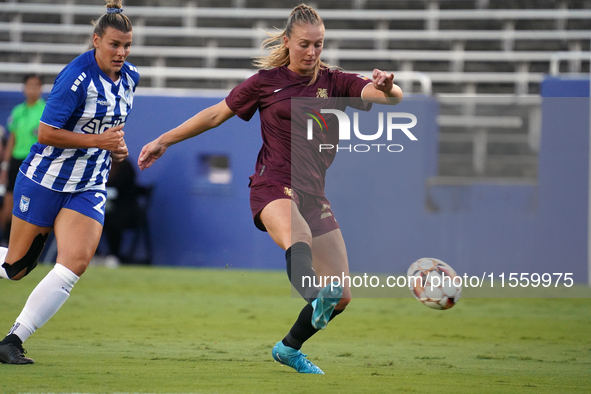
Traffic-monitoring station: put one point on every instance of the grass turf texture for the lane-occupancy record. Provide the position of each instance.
(157, 330)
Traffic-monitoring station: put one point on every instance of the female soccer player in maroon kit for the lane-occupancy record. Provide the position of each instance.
(287, 199)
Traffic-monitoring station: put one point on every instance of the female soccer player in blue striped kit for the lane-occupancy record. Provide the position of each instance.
(61, 184)
(298, 219)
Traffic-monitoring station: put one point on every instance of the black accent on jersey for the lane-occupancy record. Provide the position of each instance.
(30, 260)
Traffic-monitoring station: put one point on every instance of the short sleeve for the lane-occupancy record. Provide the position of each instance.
(133, 73)
(66, 95)
(243, 100)
(351, 85)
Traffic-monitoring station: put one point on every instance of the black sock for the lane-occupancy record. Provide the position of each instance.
(302, 330)
(12, 338)
(299, 265)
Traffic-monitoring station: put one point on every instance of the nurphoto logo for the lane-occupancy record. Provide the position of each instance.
(391, 119)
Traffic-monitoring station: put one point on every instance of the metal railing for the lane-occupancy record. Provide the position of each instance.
(332, 55)
(191, 12)
(467, 127)
(557, 57)
(16, 28)
(161, 74)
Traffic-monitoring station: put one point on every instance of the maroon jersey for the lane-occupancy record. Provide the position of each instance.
(287, 157)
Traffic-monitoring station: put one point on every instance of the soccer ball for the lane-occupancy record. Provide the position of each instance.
(431, 281)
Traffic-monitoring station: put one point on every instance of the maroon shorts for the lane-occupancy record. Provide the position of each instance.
(315, 209)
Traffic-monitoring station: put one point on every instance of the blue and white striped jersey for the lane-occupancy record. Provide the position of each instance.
(83, 100)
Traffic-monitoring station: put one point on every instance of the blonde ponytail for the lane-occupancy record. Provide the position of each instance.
(278, 53)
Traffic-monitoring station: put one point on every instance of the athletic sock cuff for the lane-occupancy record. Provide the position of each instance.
(291, 342)
(64, 273)
(299, 247)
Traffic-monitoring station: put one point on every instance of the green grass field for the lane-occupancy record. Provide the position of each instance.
(157, 330)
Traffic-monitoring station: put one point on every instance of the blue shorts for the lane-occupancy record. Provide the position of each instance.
(40, 206)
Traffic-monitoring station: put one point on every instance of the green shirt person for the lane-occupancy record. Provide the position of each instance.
(23, 125)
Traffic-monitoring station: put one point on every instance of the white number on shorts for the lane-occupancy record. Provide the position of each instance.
(99, 207)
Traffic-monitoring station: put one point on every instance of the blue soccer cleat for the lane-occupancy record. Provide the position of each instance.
(324, 304)
(294, 358)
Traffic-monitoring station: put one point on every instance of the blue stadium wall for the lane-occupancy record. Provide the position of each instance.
(388, 214)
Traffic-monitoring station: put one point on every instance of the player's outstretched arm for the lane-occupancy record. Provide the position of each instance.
(207, 119)
(382, 90)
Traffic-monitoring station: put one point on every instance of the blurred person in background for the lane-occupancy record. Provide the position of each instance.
(23, 126)
(122, 210)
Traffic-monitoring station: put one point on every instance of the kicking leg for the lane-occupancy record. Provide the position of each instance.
(289, 230)
(287, 227)
(330, 259)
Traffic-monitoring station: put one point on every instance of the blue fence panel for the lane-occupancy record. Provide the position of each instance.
(193, 221)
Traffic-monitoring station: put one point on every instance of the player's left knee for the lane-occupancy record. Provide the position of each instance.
(342, 304)
(76, 263)
(78, 267)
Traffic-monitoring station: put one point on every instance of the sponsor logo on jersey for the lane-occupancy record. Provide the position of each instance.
(101, 102)
(24, 203)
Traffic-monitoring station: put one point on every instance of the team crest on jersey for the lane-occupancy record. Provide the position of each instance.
(24, 204)
(127, 96)
(322, 93)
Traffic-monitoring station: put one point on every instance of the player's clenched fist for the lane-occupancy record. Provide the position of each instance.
(112, 139)
(120, 153)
